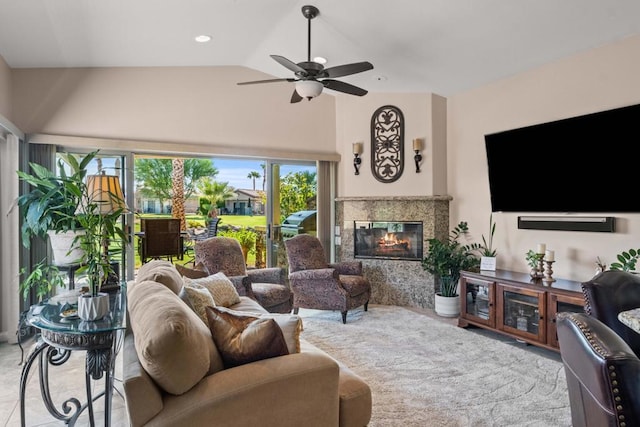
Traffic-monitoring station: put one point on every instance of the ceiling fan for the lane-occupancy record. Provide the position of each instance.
(309, 72)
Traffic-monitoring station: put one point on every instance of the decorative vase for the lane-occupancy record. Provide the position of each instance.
(447, 306)
(91, 308)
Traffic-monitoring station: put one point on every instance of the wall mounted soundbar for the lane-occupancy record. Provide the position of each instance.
(574, 223)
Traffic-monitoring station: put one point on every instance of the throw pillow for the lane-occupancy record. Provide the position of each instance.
(198, 272)
(197, 297)
(241, 338)
(290, 324)
(221, 288)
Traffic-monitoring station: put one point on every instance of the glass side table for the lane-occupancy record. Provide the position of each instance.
(58, 337)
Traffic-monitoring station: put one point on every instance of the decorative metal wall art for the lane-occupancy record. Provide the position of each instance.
(387, 143)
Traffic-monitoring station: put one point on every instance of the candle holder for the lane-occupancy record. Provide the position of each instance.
(548, 272)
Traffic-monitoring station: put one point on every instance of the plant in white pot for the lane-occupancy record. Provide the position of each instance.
(48, 208)
(101, 205)
(445, 259)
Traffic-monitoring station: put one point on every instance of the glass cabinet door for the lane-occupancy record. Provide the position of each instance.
(521, 312)
(559, 303)
(477, 298)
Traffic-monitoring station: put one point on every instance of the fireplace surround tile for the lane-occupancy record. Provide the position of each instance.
(394, 282)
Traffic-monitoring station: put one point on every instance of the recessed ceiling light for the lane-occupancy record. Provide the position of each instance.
(320, 60)
(203, 38)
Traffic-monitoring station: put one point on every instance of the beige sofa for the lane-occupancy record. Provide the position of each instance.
(168, 347)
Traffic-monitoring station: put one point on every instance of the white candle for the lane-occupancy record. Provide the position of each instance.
(541, 248)
(417, 145)
(357, 148)
(549, 256)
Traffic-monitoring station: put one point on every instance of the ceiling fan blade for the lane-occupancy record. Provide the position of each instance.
(344, 87)
(267, 81)
(295, 97)
(289, 64)
(347, 69)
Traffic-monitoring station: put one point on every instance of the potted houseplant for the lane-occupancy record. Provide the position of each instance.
(487, 252)
(67, 203)
(50, 205)
(445, 259)
(98, 212)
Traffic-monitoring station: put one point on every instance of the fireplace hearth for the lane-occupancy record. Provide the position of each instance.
(395, 240)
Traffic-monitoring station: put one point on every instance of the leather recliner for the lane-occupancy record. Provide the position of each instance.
(602, 371)
(609, 293)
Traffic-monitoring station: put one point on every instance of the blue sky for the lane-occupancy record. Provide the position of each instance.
(235, 172)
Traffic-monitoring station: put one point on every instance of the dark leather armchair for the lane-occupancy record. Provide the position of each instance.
(609, 293)
(268, 284)
(322, 286)
(603, 373)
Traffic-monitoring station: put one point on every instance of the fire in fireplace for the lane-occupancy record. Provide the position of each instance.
(401, 240)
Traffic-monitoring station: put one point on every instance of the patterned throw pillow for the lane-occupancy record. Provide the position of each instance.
(198, 298)
(223, 292)
(241, 338)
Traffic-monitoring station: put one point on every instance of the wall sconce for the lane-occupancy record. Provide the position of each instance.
(417, 148)
(357, 150)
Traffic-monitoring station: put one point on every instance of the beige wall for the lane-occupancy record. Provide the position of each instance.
(5, 89)
(199, 105)
(600, 79)
(353, 124)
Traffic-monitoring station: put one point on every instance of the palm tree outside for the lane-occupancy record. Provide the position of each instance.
(252, 176)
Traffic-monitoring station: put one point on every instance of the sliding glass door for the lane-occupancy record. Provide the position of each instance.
(291, 205)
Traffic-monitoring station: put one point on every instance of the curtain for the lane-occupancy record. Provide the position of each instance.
(9, 239)
(325, 201)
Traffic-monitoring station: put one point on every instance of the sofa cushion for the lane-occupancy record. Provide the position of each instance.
(198, 272)
(223, 292)
(241, 338)
(162, 272)
(172, 343)
(197, 298)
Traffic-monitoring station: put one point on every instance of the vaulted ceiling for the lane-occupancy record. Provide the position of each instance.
(439, 46)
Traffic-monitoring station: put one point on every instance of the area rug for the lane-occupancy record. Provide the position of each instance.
(426, 372)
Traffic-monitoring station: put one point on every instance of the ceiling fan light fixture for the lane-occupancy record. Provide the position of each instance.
(309, 88)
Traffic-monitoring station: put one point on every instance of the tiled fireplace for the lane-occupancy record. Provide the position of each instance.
(389, 231)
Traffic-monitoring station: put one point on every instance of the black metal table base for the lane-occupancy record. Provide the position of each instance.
(54, 349)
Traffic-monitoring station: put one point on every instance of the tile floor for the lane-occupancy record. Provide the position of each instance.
(66, 381)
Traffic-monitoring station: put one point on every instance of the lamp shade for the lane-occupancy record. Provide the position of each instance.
(309, 88)
(106, 193)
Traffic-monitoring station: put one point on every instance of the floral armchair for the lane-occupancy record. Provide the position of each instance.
(268, 284)
(319, 285)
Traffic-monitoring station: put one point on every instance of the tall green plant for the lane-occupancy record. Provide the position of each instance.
(447, 258)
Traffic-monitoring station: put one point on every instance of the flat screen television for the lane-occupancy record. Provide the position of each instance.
(584, 164)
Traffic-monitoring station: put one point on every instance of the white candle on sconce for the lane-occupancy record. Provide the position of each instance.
(357, 147)
(541, 248)
(417, 144)
(549, 255)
